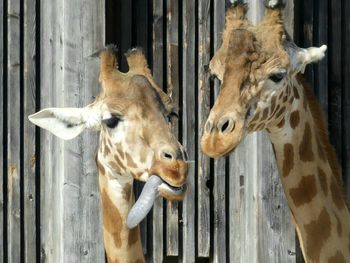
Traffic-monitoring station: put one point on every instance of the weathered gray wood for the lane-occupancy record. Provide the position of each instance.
(93, 37)
(219, 191)
(29, 154)
(2, 132)
(172, 15)
(188, 87)
(308, 26)
(13, 132)
(158, 73)
(321, 71)
(346, 99)
(51, 161)
(203, 207)
(82, 33)
(70, 204)
(335, 77)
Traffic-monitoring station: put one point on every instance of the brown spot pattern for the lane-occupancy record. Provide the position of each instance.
(121, 153)
(264, 115)
(296, 93)
(273, 103)
(294, 119)
(337, 258)
(337, 194)
(130, 161)
(127, 192)
(280, 112)
(106, 150)
(120, 163)
(322, 177)
(139, 261)
(115, 167)
(317, 231)
(112, 220)
(320, 150)
(305, 148)
(133, 236)
(281, 123)
(339, 226)
(288, 161)
(100, 167)
(305, 191)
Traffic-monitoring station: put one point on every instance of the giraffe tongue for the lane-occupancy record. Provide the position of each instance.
(145, 201)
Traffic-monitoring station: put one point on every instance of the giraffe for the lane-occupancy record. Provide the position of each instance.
(133, 116)
(262, 88)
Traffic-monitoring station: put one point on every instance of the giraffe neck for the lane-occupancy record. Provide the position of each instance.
(123, 245)
(311, 179)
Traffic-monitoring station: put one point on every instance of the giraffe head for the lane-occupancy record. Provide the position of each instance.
(255, 65)
(133, 116)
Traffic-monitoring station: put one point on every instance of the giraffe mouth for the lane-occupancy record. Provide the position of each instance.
(154, 187)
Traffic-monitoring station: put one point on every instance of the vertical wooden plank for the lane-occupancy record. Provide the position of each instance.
(346, 97)
(51, 161)
(125, 39)
(308, 26)
(203, 200)
(80, 176)
(219, 191)
(335, 56)
(188, 87)
(2, 64)
(158, 73)
(321, 68)
(29, 97)
(92, 38)
(172, 25)
(14, 134)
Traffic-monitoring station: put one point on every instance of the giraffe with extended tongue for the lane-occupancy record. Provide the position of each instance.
(132, 114)
(262, 88)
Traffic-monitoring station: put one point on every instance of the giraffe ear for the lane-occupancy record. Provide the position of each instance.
(301, 57)
(66, 123)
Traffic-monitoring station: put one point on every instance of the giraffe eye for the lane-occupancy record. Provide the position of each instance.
(112, 122)
(277, 77)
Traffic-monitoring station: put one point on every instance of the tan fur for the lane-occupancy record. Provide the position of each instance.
(288, 109)
(138, 100)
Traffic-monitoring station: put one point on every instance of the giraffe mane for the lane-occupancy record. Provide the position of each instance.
(320, 123)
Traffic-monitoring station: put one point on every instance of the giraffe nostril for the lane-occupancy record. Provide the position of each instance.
(226, 125)
(167, 155)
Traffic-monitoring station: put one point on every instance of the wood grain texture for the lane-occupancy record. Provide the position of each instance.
(80, 37)
(51, 160)
(189, 125)
(321, 68)
(335, 55)
(13, 132)
(3, 134)
(172, 48)
(203, 163)
(156, 249)
(219, 191)
(29, 131)
(346, 98)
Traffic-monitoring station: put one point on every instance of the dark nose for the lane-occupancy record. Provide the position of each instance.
(168, 155)
(225, 125)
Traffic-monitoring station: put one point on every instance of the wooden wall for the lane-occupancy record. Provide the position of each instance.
(235, 210)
